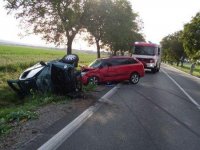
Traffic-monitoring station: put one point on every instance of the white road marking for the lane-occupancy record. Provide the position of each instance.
(189, 97)
(68, 130)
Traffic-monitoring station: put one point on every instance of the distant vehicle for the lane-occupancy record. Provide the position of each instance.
(148, 53)
(116, 68)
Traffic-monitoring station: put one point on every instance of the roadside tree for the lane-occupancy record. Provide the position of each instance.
(173, 50)
(96, 13)
(58, 21)
(122, 28)
(191, 37)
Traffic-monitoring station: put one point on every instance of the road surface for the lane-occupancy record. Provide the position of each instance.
(155, 114)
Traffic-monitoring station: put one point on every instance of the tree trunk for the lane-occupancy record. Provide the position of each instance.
(115, 53)
(69, 46)
(70, 38)
(98, 49)
(122, 52)
(182, 63)
(182, 60)
(177, 64)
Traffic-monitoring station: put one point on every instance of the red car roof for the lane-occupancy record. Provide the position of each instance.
(116, 57)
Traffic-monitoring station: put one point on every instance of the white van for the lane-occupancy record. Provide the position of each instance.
(148, 53)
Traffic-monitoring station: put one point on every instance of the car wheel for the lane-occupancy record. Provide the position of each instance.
(155, 69)
(134, 79)
(158, 69)
(93, 80)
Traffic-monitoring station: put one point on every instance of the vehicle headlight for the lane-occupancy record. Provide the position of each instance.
(151, 65)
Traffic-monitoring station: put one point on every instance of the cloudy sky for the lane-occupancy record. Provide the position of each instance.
(160, 18)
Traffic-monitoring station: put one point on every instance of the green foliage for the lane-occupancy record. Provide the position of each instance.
(43, 99)
(10, 116)
(20, 115)
(64, 24)
(122, 28)
(96, 13)
(4, 127)
(191, 37)
(89, 87)
(172, 47)
(112, 24)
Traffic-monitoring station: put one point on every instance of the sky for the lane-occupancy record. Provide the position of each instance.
(163, 17)
(160, 18)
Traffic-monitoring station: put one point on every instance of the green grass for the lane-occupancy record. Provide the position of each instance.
(14, 58)
(186, 68)
(12, 116)
(13, 61)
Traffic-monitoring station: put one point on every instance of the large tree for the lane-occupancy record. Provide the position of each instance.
(96, 14)
(112, 23)
(57, 21)
(172, 46)
(122, 28)
(191, 37)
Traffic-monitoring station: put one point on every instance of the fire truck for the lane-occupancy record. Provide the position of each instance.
(148, 53)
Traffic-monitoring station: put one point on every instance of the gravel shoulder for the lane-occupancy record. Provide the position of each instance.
(25, 134)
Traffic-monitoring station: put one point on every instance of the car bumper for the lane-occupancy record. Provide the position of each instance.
(149, 65)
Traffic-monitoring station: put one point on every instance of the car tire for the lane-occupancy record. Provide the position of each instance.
(158, 69)
(134, 78)
(154, 70)
(93, 80)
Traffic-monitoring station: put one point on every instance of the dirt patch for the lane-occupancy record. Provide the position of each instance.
(49, 114)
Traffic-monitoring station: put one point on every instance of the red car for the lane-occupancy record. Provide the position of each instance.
(118, 68)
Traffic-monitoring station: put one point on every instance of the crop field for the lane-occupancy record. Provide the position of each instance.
(14, 59)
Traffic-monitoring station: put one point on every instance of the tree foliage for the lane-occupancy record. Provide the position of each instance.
(172, 46)
(97, 12)
(57, 21)
(191, 37)
(112, 23)
(122, 28)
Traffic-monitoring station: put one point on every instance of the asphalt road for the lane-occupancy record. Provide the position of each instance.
(152, 115)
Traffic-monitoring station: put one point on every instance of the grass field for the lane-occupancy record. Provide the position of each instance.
(13, 60)
(186, 68)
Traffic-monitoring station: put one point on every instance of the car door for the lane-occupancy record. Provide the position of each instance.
(116, 71)
(126, 67)
(103, 71)
(110, 71)
(123, 68)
